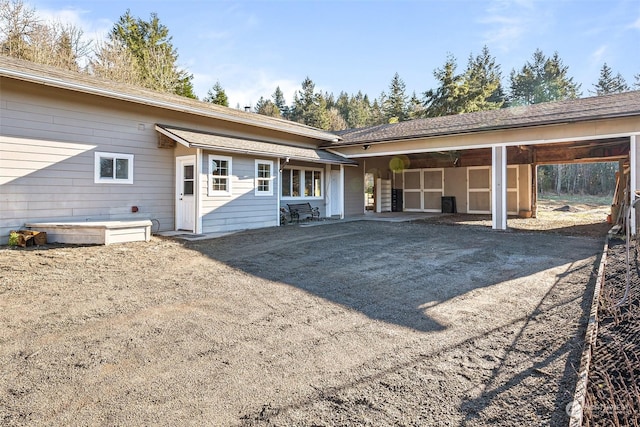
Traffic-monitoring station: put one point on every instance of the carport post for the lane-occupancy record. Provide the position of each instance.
(342, 191)
(499, 187)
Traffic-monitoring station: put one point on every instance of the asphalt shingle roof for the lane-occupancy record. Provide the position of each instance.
(212, 141)
(576, 110)
(82, 82)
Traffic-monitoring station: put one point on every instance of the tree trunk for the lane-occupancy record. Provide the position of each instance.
(558, 179)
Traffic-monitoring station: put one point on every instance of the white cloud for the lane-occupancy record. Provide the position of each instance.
(505, 32)
(244, 87)
(598, 56)
(636, 24)
(95, 30)
(509, 21)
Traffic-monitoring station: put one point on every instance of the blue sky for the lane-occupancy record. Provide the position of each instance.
(253, 46)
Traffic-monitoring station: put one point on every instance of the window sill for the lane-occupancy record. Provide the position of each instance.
(301, 198)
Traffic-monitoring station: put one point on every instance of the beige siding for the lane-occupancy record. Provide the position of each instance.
(455, 185)
(354, 190)
(47, 147)
(525, 187)
(242, 209)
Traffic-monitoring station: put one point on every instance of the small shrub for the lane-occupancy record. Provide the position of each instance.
(13, 238)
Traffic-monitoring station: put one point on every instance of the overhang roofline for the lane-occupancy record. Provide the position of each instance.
(148, 100)
(277, 150)
(367, 153)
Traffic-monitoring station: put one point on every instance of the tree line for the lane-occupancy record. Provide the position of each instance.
(140, 52)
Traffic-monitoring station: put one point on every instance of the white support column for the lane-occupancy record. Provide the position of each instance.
(499, 187)
(633, 163)
(198, 191)
(378, 194)
(328, 194)
(342, 189)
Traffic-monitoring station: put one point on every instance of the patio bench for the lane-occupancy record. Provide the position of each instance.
(305, 209)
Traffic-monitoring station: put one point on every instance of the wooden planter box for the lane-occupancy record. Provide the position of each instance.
(95, 232)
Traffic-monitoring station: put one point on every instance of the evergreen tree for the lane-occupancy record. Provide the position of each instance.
(64, 51)
(377, 113)
(449, 97)
(217, 95)
(310, 107)
(266, 107)
(395, 105)
(542, 79)
(637, 83)
(149, 44)
(360, 111)
(416, 109)
(343, 105)
(280, 103)
(608, 83)
(483, 83)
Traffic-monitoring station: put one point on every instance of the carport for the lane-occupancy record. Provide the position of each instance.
(489, 159)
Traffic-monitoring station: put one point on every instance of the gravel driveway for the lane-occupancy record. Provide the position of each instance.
(361, 323)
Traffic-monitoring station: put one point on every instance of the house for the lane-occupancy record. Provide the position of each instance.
(487, 161)
(78, 152)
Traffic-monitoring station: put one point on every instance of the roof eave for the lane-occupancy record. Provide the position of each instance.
(78, 87)
(483, 129)
(186, 143)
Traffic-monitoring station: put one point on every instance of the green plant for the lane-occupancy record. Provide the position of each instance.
(13, 238)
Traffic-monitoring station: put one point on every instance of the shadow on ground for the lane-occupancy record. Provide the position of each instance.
(394, 273)
(407, 274)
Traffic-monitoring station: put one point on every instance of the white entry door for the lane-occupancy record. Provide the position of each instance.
(185, 190)
(336, 193)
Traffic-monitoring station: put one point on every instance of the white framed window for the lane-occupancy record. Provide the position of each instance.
(264, 178)
(219, 175)
(113, 168)
(302, 183)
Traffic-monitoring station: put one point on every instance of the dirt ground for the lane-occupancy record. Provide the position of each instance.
(359, 323)
(573, 219)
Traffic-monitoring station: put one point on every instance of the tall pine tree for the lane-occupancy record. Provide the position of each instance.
(449, 97)
(541, 80)
(267, 107)
(395, 104)
(280, 103)
(310, 107)
(608, 83)
(217, 95)
(483, 83)
(149, 45)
